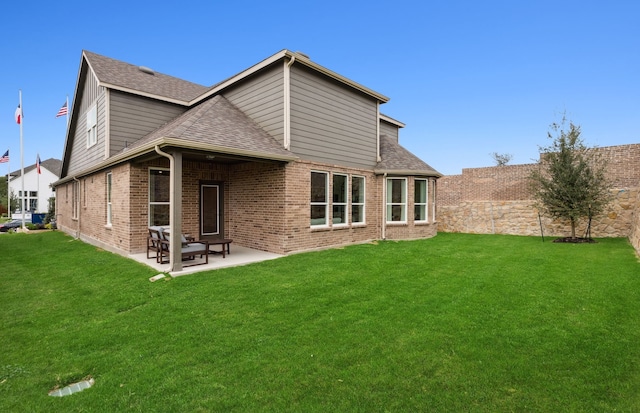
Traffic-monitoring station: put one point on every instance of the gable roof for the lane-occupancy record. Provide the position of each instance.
(217, 125)
(139, 80)
(398, 160)
(52, 165)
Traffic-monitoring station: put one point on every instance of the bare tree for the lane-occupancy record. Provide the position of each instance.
(501, 159)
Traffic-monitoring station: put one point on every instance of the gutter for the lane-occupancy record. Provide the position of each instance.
(129, 154)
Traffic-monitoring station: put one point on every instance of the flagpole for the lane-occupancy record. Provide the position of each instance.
(37, 187)
(9, 190)
(67, 114)
(21, 159)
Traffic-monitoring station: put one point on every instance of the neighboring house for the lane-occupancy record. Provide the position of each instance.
(37, 186)
(285, 156)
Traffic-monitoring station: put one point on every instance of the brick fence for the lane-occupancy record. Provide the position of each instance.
(496, 200)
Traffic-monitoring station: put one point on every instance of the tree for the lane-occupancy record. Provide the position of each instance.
(501, 159)
(571, 181)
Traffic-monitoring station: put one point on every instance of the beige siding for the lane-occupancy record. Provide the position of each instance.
(82, 157)
(331, 123)
(389, 130)
(262, 98)
(133, 117)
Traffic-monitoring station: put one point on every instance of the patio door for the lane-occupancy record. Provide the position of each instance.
(211, 211)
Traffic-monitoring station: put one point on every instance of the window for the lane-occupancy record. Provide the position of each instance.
(340, 196)
(319, 192)
(92, 126)
(396, 200)
(420, 200)
(357, 199)
(159, 196)
(75, 199)
(109, 210)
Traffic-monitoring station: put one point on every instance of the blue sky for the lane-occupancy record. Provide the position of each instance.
(468, 78)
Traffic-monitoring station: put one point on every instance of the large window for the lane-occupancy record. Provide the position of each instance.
(340, 197)
(109, 210)
(92, 126)
(357, 199)
(420, 200)
(396, 200)
(319, 201)
(347, 199)
(159, 196)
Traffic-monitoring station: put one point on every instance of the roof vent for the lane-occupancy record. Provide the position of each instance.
(146, 70)
(306, 56)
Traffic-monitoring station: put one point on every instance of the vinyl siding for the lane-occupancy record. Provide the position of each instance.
(261, 97)
(82, 157)
(133, 117)
(331, 123)
(390, 130)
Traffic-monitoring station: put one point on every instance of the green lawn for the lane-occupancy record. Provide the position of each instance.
(474, 323)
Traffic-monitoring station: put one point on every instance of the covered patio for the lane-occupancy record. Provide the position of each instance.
(239, 256)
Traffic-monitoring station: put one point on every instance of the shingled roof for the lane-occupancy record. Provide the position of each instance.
(398, 160)
(52, 165)
(218, 124)
(125, 76)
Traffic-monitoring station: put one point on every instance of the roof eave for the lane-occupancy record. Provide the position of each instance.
(298, 58)
(410, 172)
(167, 141)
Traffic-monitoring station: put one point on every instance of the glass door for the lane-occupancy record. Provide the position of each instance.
(211, 211)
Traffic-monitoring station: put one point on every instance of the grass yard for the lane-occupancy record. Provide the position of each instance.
(474, 323)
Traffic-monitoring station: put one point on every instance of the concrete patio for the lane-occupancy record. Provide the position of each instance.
(239, 256)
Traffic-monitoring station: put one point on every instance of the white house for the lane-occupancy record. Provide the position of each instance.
(37, 186)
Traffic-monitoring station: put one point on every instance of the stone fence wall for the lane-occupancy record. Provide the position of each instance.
(495, 200)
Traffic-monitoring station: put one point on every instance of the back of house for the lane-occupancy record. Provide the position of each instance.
(285, 156)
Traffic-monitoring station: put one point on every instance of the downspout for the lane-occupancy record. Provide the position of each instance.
(378, 158)
(79, 209)
(384, 206)
(287, 103)
(171, 205)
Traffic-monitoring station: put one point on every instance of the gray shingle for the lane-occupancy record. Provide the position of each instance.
(219, 123)
(52, 165)
(128, 76)
(395, 158)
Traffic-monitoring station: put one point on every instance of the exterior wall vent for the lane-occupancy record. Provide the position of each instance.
(146, 70)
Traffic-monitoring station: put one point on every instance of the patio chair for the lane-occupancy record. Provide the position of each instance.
(153, 242)
(189, 249)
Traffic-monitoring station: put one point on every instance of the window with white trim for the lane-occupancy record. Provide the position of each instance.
(420, 200)
(75, 200)
(397, 200)
(340, 191)
(109, 209)
(159, 196)
(319, 198)
(92, 126)
(357, 199)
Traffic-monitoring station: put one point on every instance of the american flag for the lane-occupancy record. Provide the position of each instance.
(62, 111)
(38, 163)
(5, 157)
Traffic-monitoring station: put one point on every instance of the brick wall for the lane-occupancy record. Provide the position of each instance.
(634, 236)
(496, 199)
(266, 206)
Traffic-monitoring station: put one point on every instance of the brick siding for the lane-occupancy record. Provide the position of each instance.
(266, 206)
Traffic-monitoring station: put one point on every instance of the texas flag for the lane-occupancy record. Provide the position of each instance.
(38, 164)
(19, 115)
